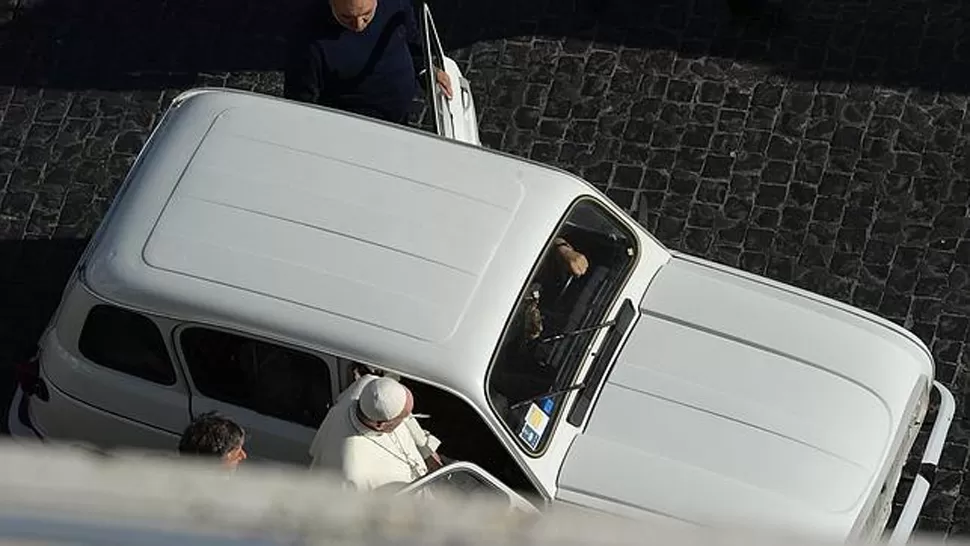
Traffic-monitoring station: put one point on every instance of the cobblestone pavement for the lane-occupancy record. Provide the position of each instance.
(832, 153)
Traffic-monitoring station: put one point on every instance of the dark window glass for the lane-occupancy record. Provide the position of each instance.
(127, 342)
(266, 378)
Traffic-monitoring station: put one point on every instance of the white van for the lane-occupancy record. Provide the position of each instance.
(259, 247)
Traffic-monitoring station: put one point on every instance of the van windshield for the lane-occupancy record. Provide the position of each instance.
(559, 314)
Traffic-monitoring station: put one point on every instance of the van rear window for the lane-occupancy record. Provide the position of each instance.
(127, 342)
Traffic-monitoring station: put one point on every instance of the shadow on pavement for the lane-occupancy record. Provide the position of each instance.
(146, 44)
(32, 276)
(892, 42)
(117, 44)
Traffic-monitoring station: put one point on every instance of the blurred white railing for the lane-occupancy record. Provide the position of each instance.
(54, 495)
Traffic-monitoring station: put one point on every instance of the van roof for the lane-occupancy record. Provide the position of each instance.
(356, 237)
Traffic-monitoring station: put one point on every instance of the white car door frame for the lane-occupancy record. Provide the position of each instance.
(267, 438)
(515, 500)
(455, 118)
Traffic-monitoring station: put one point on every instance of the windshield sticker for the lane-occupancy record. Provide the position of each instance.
(534, 425)
(547, 405)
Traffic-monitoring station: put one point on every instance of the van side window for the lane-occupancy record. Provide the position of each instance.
(263, 377)
(127, 342)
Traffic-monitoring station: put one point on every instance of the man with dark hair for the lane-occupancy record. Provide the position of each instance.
(362, 56)
(212, 435)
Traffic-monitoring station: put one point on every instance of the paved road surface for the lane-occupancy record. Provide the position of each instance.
(832, 153)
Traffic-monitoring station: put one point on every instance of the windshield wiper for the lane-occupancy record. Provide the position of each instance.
(576, 332)
(549, 394)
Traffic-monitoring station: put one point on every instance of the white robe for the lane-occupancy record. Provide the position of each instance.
(365, 458)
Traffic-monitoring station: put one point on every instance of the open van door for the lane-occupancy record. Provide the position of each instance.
(463, 478)
(454, 118)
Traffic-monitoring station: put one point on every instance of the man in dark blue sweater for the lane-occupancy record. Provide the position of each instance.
(362, 56)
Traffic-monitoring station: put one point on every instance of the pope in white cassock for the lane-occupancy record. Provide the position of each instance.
(371, 439)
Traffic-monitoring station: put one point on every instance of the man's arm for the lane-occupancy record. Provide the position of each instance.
(575, 261)
(415, 41)
(355, 467)
(302, 75)
(414, 38)
(426, 442)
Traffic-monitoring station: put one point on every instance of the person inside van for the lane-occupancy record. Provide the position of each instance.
(213, 436)
(549, 279)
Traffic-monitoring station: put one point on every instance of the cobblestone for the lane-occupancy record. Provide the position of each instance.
(833, 153)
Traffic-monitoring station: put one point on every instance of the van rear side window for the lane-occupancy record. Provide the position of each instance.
(126, 342)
